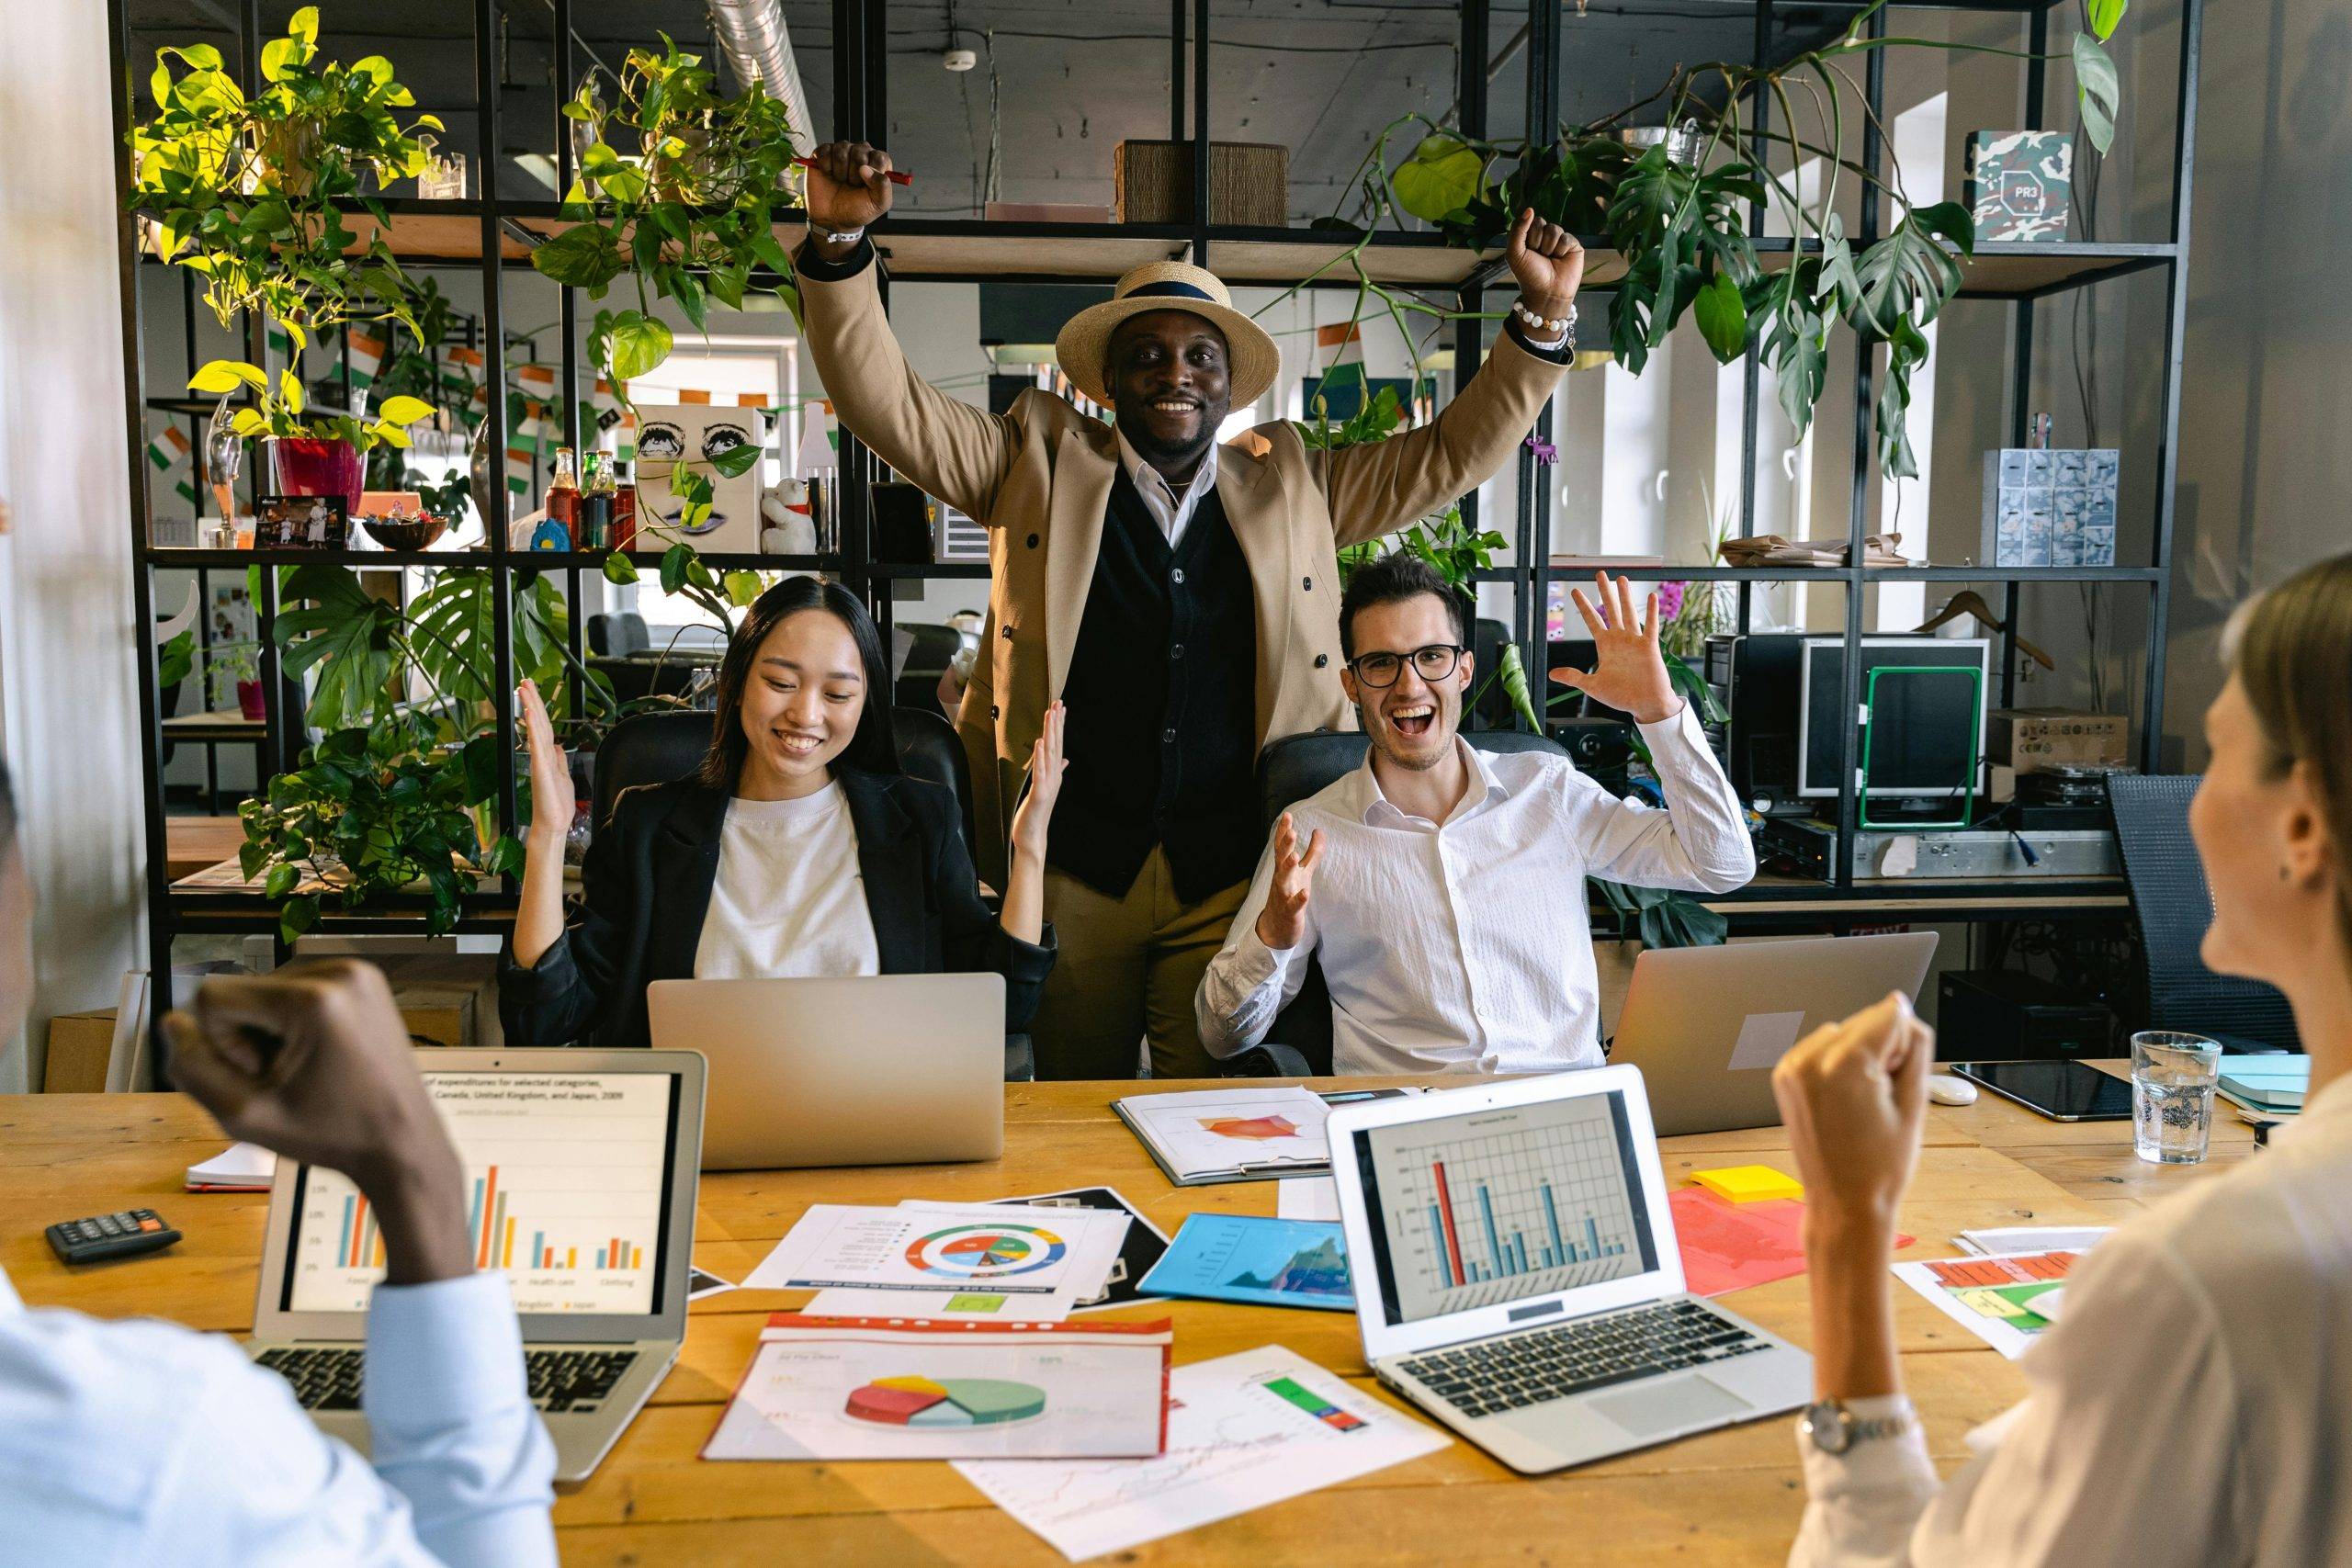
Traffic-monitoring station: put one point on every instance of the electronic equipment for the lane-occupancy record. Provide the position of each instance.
(2009, 1014)
(1808, 846)
(1517, 1275)
(580, 1167)
(1601, 747)
(2064, 1092)
(1754, 677)
(1927, 737)
(1707, 1025)
(874, 1069)
(124, 1234)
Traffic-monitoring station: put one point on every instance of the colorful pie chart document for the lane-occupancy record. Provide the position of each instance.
(1247, 1430)
(1230, 1135)
(842, 1388)
(976, 1260)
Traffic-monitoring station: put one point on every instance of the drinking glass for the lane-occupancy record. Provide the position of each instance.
(2172, 1095)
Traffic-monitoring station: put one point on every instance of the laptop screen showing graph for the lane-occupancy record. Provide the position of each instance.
(1501, 1204)
(567, 1184)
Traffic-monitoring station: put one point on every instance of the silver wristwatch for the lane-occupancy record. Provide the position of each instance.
(1834, 1429)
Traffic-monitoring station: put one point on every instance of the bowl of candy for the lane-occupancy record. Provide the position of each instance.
(405, 530)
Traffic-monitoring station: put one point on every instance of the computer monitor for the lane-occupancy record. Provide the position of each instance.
(1923, 732)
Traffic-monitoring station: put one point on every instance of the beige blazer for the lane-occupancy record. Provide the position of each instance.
(1039, 478)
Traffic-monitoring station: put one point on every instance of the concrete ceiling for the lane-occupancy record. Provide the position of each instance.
(1059, 86)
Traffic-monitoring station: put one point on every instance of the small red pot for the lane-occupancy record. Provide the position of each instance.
(309, 465)
(249, 701)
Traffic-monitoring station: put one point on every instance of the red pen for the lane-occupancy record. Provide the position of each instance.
(896, 176)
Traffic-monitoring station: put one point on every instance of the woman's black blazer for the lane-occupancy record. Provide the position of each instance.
(646, 886)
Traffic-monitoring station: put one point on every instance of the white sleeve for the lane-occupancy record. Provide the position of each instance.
(452, 1424)
(2124, 1451)
(1700, 843)
(1247, 984)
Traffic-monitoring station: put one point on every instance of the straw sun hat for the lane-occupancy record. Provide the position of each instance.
(1168, 286)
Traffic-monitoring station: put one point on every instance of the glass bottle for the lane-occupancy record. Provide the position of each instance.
(599, 499)
(624, 509)
(563, 495)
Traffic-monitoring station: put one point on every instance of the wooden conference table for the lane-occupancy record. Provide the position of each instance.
(1729, 1497)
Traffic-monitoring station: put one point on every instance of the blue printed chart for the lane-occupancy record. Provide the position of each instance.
(1246, 1258)
(1507, 1204)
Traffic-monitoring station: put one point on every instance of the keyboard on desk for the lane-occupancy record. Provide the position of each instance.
(1543, 1364)
(327, 1378)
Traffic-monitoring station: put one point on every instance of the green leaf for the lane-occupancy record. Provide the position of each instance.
(586, 257)
(637, 343)
(688, 294)
(298, 915)
(2097, 92)
(282, 879)
(1723, 317)
(346, 634)
(175, 659)
(2105, 17)
(1950, 221)
(277, 54)
(674, 561)
(1440, 178)
(1906, 277)
(227, 375)
(742, 587)
(737, 461)
(289, 392)
(479, 757)
(619, 568)
(404, 409)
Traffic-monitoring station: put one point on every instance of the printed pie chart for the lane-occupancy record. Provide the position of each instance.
(945, 1402)
(982, 1252)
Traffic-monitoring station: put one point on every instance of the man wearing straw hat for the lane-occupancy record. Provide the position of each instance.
(1181, 596)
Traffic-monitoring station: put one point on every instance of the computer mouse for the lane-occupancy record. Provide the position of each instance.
(1946, 1090)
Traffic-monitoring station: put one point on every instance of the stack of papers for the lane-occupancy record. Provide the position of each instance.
(1247, 1430)
(2271, 1085)
(1230, 1135)
(984, 1261)
(241, 1167)
(1774, 550)
(871, 1388)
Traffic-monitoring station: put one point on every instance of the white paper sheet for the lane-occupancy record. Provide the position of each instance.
(1993, 1296)
(910, 1257)
(240, 1168)
(2032, 1238)
(1235, 1443)
(1223, 1129)
(1092, 1256)
(946, 1392)
(1306, 1198)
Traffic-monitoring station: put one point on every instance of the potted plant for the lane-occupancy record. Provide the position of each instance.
(319, 455)
(249, 192)
(234, 666)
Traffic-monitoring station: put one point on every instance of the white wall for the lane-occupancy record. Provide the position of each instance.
(68, 703)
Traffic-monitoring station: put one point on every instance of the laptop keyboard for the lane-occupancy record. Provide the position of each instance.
(328, 1379)
(1543, 1364)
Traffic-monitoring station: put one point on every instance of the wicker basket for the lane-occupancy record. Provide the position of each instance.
(1248, 183)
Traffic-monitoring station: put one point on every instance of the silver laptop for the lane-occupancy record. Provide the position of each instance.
(1706, 1025)
(581, 1171)
(882, 1069)
(1517, 1277)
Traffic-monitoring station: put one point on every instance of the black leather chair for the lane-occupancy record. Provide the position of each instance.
(1298, 1045)
(2175, 905)
(650, 747)
(617, 636)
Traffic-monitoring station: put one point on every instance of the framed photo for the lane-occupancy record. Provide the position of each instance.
(301, 523)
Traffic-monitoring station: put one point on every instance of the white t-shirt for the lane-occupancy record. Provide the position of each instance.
(789, 901)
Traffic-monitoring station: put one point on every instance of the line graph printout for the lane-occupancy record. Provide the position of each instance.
(564, 1189)
(1243, 1431)
(1499, 1205)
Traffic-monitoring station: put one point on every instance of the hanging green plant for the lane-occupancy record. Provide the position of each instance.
(248, 192)
(680, 189)
(277, 409)
(1679, 217)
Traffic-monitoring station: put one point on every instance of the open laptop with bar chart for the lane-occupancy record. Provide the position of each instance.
(581, 1168)
(1517, 1276)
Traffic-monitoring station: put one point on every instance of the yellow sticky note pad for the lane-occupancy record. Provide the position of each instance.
(1748, 1183)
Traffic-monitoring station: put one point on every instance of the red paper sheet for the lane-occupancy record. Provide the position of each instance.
(1729, 1246)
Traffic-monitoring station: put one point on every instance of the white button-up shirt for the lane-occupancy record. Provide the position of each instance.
(140, 1441)
(2187, 1411)
(1159, 497)
(1464, 947)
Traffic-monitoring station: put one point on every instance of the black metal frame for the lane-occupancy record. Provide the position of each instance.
(860, 64)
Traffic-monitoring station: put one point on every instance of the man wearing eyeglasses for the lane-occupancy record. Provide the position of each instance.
(1443, 888)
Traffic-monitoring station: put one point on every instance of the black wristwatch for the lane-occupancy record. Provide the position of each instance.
(1834, 1429)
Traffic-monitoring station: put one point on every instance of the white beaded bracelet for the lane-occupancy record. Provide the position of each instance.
(1536, 324)
(845, 237)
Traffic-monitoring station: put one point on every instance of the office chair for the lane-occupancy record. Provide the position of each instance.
(2175, 906)
(617, 635)
(1298, 1043)
(652, 748)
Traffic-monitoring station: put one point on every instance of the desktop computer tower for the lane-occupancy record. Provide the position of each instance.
(1754, 676)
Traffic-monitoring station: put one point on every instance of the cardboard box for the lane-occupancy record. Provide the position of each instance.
(2020, 184)
(2029, 739)
(446, 998)
(1151, 181)
(79, 1046)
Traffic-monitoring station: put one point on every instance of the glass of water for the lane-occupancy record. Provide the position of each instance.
(2172, 1095)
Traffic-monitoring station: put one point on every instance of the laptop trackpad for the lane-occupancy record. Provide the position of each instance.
(1672, 1405)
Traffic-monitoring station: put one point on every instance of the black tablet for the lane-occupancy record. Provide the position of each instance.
(2064, 1092)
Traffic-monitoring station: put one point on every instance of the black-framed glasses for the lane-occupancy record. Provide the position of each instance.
(1434, 662)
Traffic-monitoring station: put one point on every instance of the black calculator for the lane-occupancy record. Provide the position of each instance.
(126, 1235)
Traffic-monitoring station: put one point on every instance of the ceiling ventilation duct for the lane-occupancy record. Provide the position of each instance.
(751, 35)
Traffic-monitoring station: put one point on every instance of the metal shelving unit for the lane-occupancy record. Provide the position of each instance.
(496, 235)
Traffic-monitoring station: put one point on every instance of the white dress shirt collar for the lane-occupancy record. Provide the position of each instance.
(1374, 809)
(1159, 498)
